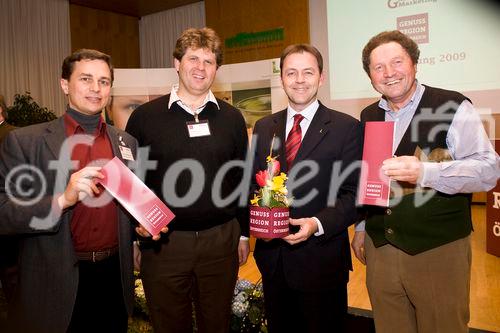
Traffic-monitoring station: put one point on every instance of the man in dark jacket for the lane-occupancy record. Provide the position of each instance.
(75, 271)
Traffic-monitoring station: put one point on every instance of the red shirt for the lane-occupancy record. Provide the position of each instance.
(92, 228)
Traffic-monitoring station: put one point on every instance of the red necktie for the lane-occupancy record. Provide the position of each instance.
(294, 139)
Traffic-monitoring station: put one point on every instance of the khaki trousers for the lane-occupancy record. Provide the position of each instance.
(424, 293)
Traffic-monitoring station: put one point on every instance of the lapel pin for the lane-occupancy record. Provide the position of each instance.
(321, 130)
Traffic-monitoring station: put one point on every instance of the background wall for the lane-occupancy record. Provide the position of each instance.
(111, 33)
(229, 17)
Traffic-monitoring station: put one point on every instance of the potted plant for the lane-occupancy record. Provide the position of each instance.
(269, 212)
(25, 111)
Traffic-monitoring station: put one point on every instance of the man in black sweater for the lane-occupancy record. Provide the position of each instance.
(191, 135)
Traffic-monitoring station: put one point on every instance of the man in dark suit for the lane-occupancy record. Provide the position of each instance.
(8, 245)
(305, 274)
(75, 272)
(4, 126)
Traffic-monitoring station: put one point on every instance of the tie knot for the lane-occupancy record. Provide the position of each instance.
(297, 119)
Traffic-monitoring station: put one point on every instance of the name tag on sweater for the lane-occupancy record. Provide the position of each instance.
(197, 129)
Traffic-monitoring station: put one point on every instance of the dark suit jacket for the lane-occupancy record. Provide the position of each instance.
(4, 129)
(321, 262)
(48, 270)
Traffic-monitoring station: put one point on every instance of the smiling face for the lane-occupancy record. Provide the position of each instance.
(89, 86)
(196, 70)
(301, 79)
(392, 73)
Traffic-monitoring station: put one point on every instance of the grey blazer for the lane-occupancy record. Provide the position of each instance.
(48, 267)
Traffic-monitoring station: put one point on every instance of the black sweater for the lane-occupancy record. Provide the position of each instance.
(165, 132)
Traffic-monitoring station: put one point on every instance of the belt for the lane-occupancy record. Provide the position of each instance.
(95, 256)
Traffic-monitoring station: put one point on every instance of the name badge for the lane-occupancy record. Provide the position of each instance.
(197, 129)
(126, 153)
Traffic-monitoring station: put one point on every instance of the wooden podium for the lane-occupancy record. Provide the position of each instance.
(493, 216)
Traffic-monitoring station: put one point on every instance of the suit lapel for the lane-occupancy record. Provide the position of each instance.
(279, 131)
(315, 133)
(55, 136)
(115, 141)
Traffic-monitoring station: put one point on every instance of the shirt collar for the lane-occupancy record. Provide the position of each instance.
(1, 122)
(308, 113)
(415, 98)
(175, 98)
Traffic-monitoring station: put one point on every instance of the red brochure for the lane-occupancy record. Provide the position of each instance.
(135, 196)
(374, 186)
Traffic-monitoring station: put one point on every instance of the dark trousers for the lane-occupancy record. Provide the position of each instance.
(99, 305)
(289, 310)
(9, 251)
(192, 267)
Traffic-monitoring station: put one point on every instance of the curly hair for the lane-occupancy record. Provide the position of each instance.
(386, 37)
(204, 38)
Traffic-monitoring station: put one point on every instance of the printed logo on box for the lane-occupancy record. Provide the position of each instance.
(155, 215)
(374, 189)
(496, 200)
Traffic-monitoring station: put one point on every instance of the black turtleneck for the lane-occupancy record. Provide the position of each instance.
(89, 123)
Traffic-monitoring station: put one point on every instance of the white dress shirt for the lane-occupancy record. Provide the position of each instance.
(308, 114)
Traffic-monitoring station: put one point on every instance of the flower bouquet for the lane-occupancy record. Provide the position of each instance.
(247, 308)
(139, 322)
(269, 212)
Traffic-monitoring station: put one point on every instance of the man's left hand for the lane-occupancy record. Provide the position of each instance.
(243, 250)
(403, 168)
(308, 226)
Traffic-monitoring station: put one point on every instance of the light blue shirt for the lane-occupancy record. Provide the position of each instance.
(475, 166)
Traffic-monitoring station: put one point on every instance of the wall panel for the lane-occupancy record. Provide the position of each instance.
(260, 21)
(111, 33)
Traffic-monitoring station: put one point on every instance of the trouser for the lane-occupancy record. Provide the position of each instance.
(295, 311)
(99, 305)
(9, 275)
(424, 293)
(192, 267)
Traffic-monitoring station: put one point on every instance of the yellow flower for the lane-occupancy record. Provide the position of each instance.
(255, 200)
(278, 183)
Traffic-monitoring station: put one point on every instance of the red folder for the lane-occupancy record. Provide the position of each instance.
(135, 196)
(374, 186)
